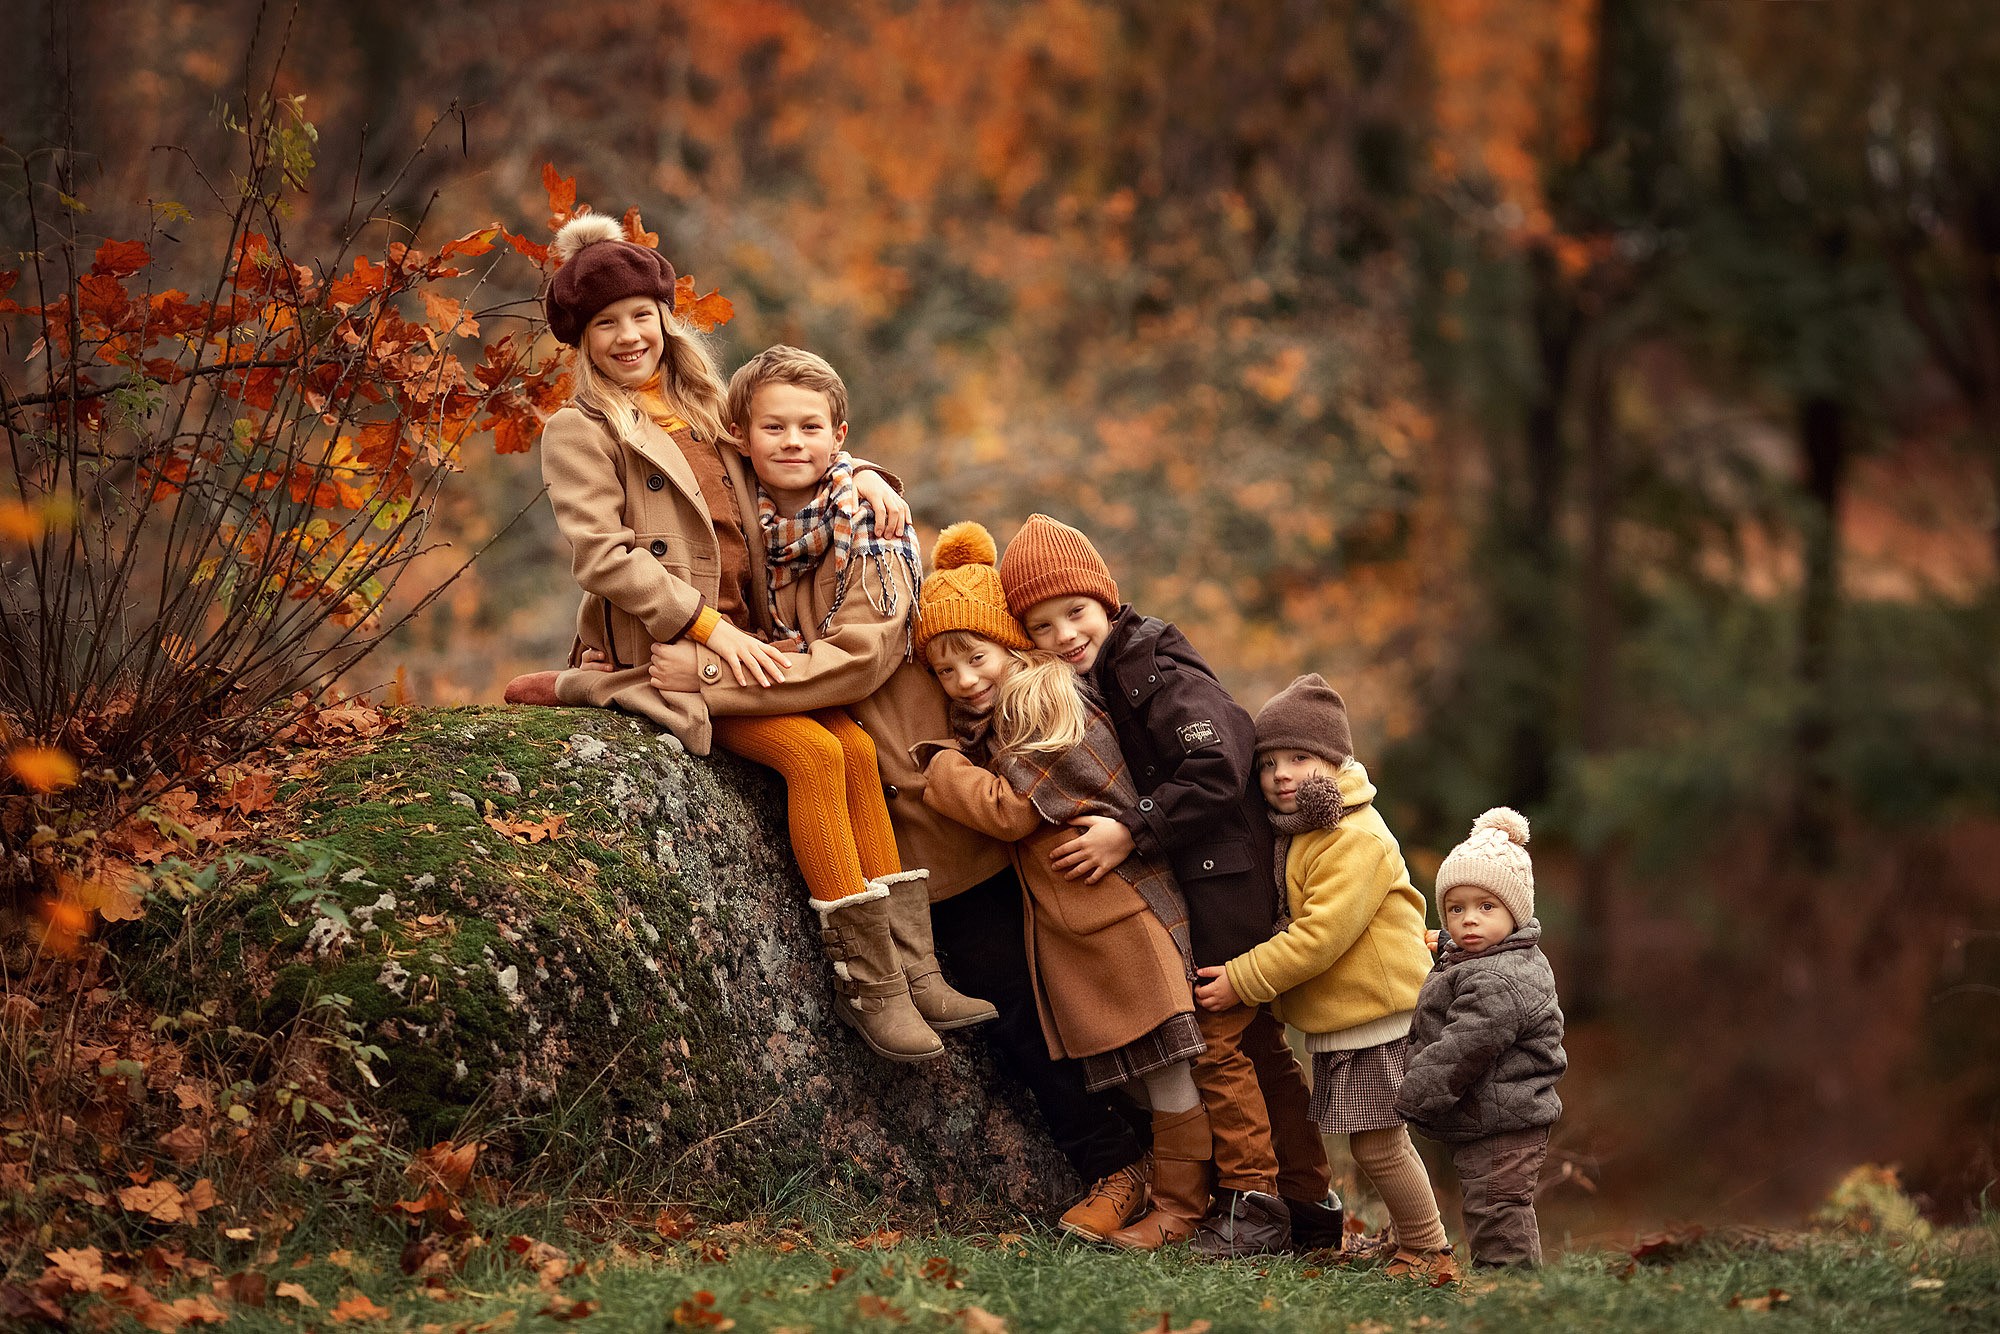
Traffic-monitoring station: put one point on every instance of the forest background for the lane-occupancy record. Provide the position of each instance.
(1604, 395)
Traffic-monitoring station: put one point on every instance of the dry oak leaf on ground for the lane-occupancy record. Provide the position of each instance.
(296, 1293)
(358, 1309)
(529, 831)
(164, 1202)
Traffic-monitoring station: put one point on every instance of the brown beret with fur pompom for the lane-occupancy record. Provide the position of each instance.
(599, 266)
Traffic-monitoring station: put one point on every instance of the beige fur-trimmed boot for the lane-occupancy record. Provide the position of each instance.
(870, 993)
(942, 1006)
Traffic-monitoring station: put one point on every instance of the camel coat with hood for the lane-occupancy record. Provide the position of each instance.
(1105, 971)
(1353, 954)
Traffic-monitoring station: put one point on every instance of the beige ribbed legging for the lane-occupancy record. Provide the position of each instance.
(1390, 1162)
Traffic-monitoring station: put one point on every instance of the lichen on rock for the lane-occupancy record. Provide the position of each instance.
(639, 996)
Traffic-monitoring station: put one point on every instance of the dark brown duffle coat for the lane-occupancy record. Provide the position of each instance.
(1486, 1043)
(1193, 756)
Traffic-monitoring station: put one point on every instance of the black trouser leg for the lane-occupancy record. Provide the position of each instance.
(979, 943)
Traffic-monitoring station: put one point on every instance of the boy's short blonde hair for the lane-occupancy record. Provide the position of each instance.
(785, 365)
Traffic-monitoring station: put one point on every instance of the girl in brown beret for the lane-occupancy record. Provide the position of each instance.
(673, 539)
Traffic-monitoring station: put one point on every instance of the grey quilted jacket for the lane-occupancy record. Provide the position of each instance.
(1486, 1043)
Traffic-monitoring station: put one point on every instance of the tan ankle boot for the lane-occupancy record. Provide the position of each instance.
(1183, 1171)
(942, 1007)
(1112, 1203)
(870, 994)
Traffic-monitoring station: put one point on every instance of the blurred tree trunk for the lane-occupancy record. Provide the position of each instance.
(1590, 971)
(1825, 450)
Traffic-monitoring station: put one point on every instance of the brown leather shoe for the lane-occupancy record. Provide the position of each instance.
(1111, 1203)
(1183, 1171)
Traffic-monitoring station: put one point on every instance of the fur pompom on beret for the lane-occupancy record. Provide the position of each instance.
(599, 266)
(965, 543)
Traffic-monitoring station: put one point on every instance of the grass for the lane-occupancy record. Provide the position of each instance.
(823, 1280)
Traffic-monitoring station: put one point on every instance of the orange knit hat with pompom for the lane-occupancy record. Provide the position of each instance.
(963, 592)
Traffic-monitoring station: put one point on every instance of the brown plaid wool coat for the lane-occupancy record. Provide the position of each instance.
(1105, 964)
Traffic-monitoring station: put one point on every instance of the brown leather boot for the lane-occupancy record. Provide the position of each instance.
(1111, 1203)
(1183, 1171)
(870, 994)
(942, 1007)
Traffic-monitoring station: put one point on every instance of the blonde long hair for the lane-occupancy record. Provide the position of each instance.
(1039, 711)
(689, 381)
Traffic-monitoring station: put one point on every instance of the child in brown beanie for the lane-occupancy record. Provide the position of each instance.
(1348, 964)
(1191, 749)
(1486, 1044)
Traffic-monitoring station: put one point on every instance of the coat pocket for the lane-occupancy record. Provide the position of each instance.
(1088, 909)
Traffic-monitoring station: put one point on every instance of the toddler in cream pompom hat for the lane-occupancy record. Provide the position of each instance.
(1494, 858)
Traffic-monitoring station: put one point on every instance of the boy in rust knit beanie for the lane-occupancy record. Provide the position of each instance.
(1191, 749)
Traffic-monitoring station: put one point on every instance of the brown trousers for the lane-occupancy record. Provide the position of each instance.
(1496, 1178)
(1259, 1109)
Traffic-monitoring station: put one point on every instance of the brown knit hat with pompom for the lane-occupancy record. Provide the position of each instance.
(964, 592)
(1048, 559)
(1307, 715)
(599, 266)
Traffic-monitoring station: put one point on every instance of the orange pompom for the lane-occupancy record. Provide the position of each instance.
(966, 543)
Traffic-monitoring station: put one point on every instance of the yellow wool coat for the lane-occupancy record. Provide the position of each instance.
(646, 557)
(1354, 951)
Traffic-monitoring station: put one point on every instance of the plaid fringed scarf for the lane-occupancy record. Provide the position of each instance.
(836, 522)
(1091, 779)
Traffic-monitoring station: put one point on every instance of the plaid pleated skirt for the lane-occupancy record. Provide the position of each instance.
(1179, 1039)
(1356, 1090)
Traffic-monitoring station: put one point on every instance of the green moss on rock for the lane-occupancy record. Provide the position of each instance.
(640, 999)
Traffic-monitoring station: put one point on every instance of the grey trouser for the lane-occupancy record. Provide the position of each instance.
(1496, 1178)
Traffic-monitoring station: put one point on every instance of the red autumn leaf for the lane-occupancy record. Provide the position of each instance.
(635, 231)
(673, 1224)
(532, 249)
(357, 1309)
(102, 298)
(872, 1307)
(446, 1165)
(562, 195)
(252, 793)
(705, 313)
(472, 243)
(363, 280)
(698, 1312)
(120, 258)
(255, 263)
(567, 1308)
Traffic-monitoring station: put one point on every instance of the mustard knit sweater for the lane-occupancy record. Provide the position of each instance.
(1354, 952)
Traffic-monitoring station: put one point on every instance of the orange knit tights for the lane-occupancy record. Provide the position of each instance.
(833, 795)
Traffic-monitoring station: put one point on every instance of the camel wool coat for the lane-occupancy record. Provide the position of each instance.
(1105, 971)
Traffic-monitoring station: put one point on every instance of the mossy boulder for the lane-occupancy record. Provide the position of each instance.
(573, 939)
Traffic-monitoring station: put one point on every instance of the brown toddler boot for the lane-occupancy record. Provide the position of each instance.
(1433, 1269)
(942, 1006)
(1111, 1203)
(870, 994)
(1183, 1169)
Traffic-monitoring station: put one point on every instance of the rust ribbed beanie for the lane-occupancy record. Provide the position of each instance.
(1048, 559)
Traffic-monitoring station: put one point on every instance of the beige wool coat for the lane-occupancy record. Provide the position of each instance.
(1105, 971)
(646, 558)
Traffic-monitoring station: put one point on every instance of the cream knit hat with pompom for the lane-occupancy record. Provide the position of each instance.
(1495, 858)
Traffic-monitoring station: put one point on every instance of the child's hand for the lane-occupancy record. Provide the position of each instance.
(595, 660)
(1103, 844)
(1431, 940)
(892, 512)
(748, 655)
(1215, 995)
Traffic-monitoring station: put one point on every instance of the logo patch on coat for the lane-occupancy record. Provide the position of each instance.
(1196, 735)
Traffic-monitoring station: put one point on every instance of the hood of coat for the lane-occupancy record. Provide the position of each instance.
(1525, 937)
(1356, 790)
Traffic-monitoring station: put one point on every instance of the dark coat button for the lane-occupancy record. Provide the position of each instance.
(891, 791)
(659, 547)
(655, 482)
